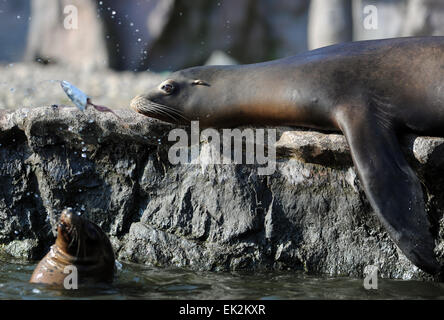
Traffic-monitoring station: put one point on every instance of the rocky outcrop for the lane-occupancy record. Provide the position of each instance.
(309, 214)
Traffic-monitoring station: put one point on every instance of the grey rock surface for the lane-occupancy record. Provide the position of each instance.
(309, 214)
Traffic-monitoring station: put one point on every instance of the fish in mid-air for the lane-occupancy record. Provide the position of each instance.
(81, 99)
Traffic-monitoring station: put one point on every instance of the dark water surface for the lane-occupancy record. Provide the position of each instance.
(141, 282)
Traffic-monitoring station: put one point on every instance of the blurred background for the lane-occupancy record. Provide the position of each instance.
(86, 41)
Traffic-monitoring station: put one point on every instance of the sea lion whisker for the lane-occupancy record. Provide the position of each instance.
(150, 109)
(166, 111)
(170, 109)
(177, 113)
(163, 112)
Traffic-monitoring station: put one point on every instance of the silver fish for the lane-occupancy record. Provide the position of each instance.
(79, 98)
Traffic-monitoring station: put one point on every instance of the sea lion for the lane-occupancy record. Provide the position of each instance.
(80, 244)
(371, 91)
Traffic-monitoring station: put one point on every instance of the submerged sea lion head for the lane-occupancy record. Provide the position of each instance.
(191, 94)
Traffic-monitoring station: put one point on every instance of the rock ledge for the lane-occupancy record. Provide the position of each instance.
(309, 214)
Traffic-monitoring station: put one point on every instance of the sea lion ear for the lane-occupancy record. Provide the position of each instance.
(200, 83)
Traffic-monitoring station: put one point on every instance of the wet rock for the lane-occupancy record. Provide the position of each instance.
(309, 214)
(315, 147)
(27, 249)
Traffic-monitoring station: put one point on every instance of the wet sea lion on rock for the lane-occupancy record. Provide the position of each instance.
(80, 244)
(371, 91)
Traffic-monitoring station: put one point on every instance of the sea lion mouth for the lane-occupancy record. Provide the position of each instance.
(159, 111)
(65, 228)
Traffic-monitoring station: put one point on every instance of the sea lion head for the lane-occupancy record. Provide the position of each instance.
(86, 245)
(197, 93)
(80, 245)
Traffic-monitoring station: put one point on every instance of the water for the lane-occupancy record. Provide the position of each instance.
(135, 281)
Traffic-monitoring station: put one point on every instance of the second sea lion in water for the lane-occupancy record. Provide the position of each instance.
(371, 91)
(80, 244)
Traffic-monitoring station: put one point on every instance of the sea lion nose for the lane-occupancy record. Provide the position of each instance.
(66, 216)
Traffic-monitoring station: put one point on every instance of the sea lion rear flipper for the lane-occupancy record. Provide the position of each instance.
(391, 186)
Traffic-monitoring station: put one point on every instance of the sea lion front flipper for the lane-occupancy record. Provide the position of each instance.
(391, 186)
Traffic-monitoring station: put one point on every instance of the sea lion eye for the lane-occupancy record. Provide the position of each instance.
(168, 88)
